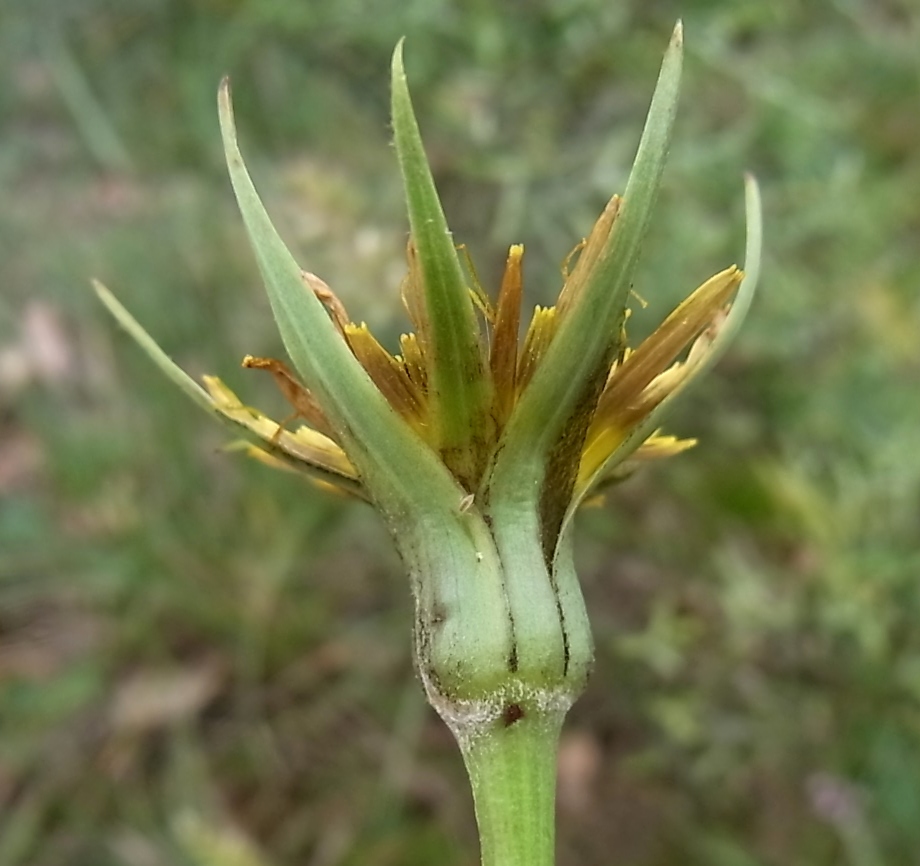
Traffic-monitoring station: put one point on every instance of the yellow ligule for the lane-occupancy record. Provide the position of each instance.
(625, 400)
(504, 351)
(599, 445)
(413, 361)
(412, 292)
(536, 341)
(589, 253)
(254, 452)
(303, 445)
(657, 447)
(389, 375)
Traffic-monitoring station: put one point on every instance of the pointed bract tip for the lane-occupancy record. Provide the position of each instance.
(754, 216)
(223, 93)
(677, 37)
(225, 117)
(108, 299)
(397, 64)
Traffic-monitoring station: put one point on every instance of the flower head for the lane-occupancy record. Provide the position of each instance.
(556, 415)
(477, 446)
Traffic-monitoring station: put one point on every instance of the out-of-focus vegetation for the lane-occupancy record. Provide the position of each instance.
(204, 662)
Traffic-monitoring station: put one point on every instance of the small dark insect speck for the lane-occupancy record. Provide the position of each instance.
(512, 714)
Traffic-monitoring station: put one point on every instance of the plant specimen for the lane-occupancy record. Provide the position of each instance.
(477, 447)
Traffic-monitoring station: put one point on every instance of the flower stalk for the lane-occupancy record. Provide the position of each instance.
(512, 771)
(478, 448)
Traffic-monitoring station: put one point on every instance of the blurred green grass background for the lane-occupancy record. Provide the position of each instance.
(204, 662)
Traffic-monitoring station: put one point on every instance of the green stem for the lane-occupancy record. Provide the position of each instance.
(512, 769)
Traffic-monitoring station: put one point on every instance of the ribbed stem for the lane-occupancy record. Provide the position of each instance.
(512, 769)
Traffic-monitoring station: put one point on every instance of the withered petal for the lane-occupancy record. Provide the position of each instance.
(294, 392)
(388, 374)
(306, 449)
(588, 253)
(328, 299)
(623, 399)
(503, 358)
(539, 335)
